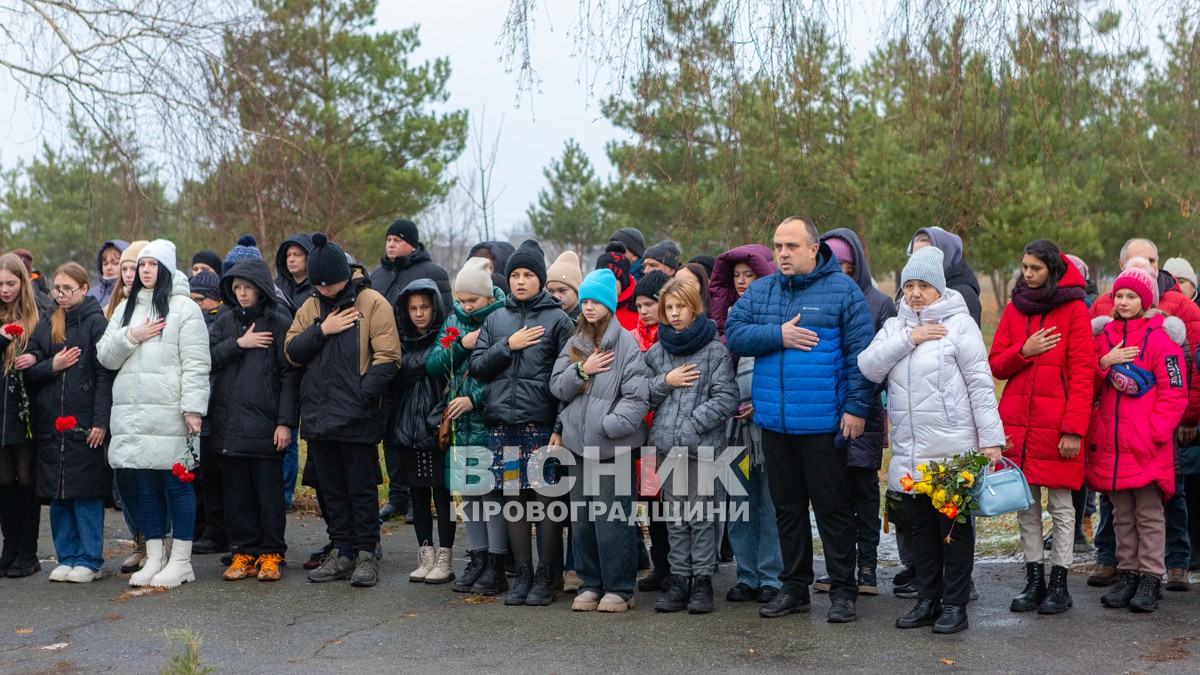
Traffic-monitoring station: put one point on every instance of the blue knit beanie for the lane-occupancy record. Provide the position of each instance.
(600, 286)
(246, 249)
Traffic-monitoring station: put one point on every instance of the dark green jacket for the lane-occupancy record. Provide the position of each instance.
(443, 361)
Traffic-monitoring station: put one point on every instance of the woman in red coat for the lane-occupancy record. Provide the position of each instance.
(1044, 348)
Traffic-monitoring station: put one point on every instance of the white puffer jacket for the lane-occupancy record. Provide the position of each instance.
(941, 397)
(157, 381)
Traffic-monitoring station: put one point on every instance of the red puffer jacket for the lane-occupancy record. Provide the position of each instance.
(1130, 443)
(626, 315)
(1176, 304)
(1050, 394)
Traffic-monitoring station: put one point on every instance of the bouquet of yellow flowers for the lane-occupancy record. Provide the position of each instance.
(948, 484)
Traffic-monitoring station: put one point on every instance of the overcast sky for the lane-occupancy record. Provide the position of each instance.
(535, 126)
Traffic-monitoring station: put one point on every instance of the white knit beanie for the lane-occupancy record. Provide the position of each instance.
(1180, 269)
(474, 277)
(161, 250)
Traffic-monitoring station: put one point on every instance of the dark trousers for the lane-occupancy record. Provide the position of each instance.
(864, 494)
(398, 492)
(943, 569)
(1192, 484)
(254, 500)
(800, 470)
(347, 474)
(210, 496)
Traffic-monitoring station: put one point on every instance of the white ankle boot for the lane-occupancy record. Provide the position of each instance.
(154, 561)
(443, 568)
(425, 563)
(179, 568)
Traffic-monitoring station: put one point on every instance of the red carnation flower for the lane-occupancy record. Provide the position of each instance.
(14, 330)
(187, 477)
(178, 469)
(449, 338)
(65, 424)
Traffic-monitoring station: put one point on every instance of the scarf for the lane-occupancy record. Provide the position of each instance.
(689, 340)
(1029, 301)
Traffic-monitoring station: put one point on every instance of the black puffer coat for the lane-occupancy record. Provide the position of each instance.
(518, 383)
(417, 392)
(393, 276)
(253, 390)
(66, 467)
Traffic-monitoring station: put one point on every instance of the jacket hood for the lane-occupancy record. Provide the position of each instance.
(1166, 282)
(256, 272)
(476, 318)
(180, 284)
(302, 240)
(89, 307)
(862, 268)
(500, 250)
(949, 243)
(759, 258)
(1172, 326)
(408, 331)
(119, 244)
(543, 300)
(1072, 277)
(950, 304)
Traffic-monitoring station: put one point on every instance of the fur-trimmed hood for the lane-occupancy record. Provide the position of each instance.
(1173, 327)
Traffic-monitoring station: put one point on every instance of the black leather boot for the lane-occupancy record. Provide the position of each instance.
(493, 581)
(1035, 589)
(1149, 591)
(472, 573)
(521, 585)
(1123, 592)
(655, 581)
(542, 593)
(952, 620)
(925, 613)
(701, 600)
(1057, 599)
(677, 595)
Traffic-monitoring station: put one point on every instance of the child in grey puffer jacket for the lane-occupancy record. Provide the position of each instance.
(693, 389)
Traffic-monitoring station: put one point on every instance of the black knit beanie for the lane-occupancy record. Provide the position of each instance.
(634, 242)
(650, 286)
(327, 262)
(665, 252)
(406, 230)
(614, 259)
(707, 261)
(530, 257)
(209, 258)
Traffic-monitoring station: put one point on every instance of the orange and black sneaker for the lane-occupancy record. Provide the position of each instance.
(268, 567)
(244, 566)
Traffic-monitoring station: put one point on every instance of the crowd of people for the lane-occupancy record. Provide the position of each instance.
(181, 400)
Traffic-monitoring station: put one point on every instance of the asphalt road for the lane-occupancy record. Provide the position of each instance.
(296, 626)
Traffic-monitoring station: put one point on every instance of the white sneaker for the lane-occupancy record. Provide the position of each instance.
(83, 575)
(60, 573)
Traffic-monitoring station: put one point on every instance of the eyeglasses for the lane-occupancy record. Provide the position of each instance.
(66, 291)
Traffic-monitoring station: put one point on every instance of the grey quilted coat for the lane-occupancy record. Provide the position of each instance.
(694, 416)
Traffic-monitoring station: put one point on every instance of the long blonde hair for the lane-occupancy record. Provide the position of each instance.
(58, 320)
(23, 310)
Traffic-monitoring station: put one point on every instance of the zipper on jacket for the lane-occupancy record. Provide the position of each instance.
(1117, 420)
(782, 381)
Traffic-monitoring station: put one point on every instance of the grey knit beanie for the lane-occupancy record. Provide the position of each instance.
(926, 265)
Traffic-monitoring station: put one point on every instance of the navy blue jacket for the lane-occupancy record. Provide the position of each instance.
(804, 392)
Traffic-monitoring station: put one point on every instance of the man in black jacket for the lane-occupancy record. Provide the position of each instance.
(404, 261)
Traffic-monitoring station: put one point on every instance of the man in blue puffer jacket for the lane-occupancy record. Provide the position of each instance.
(805, 326)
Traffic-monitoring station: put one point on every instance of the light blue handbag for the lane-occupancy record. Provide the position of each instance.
(996, 493)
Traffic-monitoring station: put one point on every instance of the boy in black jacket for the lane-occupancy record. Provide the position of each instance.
(254, 408)
(346, 337)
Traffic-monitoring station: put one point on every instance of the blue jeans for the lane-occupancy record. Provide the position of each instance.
(605, 550)
(127, 485)
(291, 467)
(755, 541)
(1179, 544)
(159, 491)
(78, 529)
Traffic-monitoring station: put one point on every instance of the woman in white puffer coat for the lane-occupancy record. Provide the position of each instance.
(941, 403)
(157, 342)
